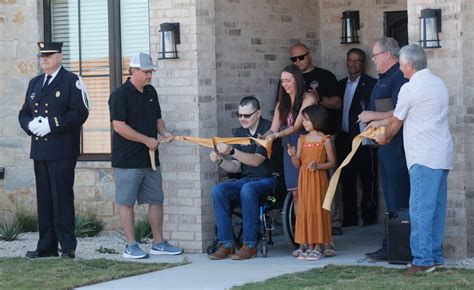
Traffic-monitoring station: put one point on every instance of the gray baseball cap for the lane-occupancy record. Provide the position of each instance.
(143, 61)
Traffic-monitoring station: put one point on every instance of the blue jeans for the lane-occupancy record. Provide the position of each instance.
(427, 214)
(248, 190)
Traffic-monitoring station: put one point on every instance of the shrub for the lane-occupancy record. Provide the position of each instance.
(9, 231)
(142, 231)
(88, 224)
(28, 221)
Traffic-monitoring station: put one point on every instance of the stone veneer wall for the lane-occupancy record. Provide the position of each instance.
(19, 32)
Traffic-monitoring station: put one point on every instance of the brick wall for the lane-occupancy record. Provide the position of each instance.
(253, 41)
(453, 63)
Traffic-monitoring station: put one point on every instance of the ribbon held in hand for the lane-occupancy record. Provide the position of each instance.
(211, 142)
(372, 134)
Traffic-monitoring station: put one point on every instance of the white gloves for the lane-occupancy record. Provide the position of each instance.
(34, 124)
(40, 129)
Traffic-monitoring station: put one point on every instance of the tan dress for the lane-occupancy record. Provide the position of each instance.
(313, 223)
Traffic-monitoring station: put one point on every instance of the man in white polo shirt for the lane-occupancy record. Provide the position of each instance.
(422, 108)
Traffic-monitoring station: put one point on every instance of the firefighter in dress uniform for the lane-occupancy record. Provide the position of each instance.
(53, 113)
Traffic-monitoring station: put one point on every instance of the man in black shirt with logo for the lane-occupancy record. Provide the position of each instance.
(136, 120)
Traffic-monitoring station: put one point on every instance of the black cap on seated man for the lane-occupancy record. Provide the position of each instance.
(47, 48)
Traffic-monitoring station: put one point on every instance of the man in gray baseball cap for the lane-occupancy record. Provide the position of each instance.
(136, 120)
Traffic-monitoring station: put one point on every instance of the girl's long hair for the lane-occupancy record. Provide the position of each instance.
(284, 99)
(318, 116)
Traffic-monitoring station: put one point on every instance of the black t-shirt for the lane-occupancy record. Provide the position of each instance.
(266, 169)
(140, 111)
(325, 83)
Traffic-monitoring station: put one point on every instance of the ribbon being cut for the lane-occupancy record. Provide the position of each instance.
(372, 134)
(212, 142)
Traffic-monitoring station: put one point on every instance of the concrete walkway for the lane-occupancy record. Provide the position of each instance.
(203, 273)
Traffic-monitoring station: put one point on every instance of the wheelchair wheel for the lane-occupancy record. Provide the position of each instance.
(288, 219)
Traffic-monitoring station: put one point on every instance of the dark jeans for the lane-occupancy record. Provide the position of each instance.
(248, 190)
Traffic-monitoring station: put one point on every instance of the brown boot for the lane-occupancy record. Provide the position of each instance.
(221, 253)
(245, 253)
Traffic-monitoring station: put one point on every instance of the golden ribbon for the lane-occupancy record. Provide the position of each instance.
(212, 142)
(335, 177)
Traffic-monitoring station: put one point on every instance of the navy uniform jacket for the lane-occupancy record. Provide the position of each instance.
(61, 102)
(360, 100)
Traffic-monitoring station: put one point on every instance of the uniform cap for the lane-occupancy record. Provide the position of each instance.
(46, 48)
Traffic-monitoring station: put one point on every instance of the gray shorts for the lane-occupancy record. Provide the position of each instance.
(141, 185)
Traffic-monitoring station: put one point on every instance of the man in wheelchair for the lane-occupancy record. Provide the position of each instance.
(256, 180)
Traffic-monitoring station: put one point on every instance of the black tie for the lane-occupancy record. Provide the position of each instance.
(48, 77)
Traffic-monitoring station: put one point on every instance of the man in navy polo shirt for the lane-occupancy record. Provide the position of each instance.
(384, 97)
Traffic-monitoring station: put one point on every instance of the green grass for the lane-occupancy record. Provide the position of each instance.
(60, 273)
(359, 277)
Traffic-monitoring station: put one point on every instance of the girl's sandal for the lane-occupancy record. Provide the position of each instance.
(314, 255)
(296, 253)
(329, 250)
(304, 255)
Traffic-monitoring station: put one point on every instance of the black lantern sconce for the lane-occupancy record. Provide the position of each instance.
(350, 25)
(169, 35)
(430, 26)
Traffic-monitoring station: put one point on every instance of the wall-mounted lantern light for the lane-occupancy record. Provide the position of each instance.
(350, 25)
(430, 26)
(169, 35)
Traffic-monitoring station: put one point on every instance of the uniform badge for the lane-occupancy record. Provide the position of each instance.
(151, 100)
(41, 45)
(78, 85)
(58, 93)
(32, 95)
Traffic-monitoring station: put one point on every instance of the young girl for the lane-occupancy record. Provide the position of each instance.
(313, 156)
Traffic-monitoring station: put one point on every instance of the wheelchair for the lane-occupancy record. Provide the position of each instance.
(280, 200)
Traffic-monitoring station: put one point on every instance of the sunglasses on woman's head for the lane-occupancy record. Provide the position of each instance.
(298, 57)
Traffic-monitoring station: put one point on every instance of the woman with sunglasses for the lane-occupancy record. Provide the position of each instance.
(287, 121)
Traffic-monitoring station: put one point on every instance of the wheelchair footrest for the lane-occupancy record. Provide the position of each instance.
(269, 224)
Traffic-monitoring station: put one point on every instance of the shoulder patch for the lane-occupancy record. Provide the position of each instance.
(78, 85)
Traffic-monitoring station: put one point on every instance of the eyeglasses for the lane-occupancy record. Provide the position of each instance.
(298, 57)
(246, 116)
(375, 54)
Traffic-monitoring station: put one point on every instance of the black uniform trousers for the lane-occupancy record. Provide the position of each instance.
(363, 165)
(55, 198)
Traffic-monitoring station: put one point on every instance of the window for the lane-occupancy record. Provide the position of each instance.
(99, 38)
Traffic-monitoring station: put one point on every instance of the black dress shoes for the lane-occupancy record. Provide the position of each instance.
(41, 254)
(71, 254)
(379, 255)
(336, 231)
